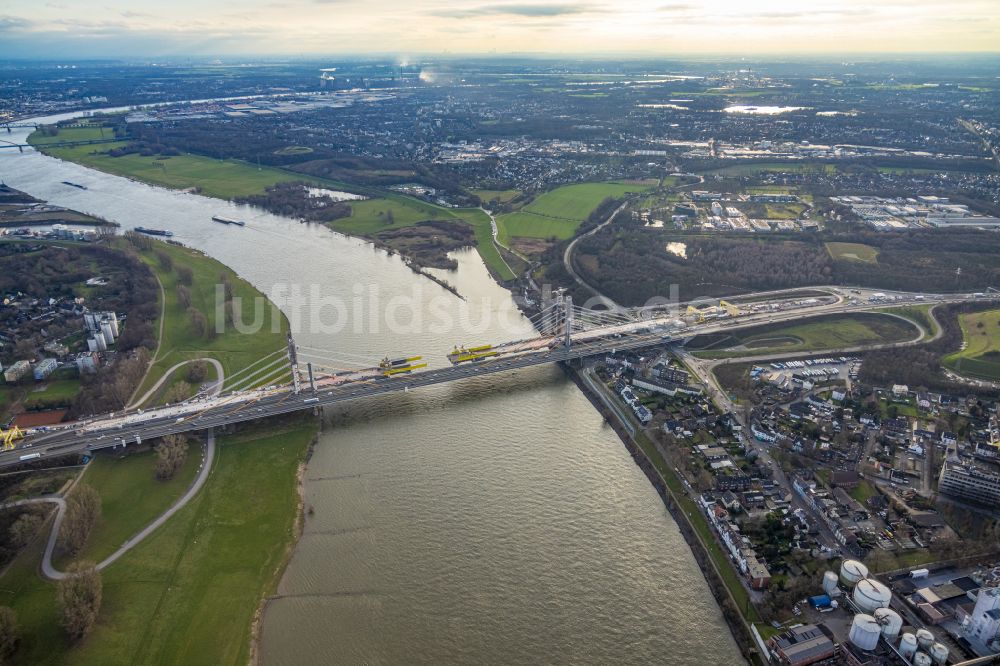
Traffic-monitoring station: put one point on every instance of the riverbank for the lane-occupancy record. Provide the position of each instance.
(685, 512)
(279, 572)
(190, 591)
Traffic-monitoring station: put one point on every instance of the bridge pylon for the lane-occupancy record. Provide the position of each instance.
(568, 320)
(293, 360)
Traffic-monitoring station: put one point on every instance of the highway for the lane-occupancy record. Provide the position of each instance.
(128, 428)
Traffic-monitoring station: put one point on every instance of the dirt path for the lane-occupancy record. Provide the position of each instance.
(49, 570)
(214, 390)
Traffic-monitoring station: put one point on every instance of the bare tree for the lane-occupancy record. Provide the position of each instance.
(183, 296)
(166, 262)
(171, 452)
(78, 596)
(198, 321)
(10, 633)
(24, 529)
(197, 372)
(83, 509)
(185, 275)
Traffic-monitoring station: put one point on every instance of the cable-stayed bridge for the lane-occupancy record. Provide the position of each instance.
(325, 377)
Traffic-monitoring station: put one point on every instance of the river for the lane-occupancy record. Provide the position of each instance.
(496, 520)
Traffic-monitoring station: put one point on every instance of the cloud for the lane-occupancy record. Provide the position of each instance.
(676, 7)
(8, 23)
(538, 10)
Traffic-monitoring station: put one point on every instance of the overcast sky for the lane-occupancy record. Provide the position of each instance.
(172, 28)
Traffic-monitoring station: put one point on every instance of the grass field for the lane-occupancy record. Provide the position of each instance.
(559, 212)
(981, 354)
(188, 594)
(55, 391)
(233, 349)
(395, 211)
(921, 314)
(223, 179)
(853, 252)
(503, 195)
(131, 498)
(834, 332)
(73, 134)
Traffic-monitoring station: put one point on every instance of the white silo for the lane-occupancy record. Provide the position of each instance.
(925, 639)
(865, 631)
(830, 584)
(851, 571)
(890, 622)
(921, 659)
(113, 320)
(908, 646)
(91, 344)
(870, 594)
(939, 653)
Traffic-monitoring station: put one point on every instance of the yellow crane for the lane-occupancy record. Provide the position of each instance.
(731, 309)
(9, 437)
(698, 315)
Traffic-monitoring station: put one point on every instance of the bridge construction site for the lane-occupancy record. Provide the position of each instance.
(565, 332)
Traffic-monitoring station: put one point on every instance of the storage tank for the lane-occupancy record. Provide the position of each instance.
(890, 622)
(870, 594)
(865, 631)
(830, 584)
(921, 659)
(925, 639)
(851, 571)
(939, 653)
(908, 646)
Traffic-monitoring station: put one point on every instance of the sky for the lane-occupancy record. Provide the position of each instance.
(55, 29)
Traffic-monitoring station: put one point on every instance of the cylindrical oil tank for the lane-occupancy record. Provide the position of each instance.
(851, 571)
(890, 621)
(865, 631)
(830, 583)
(939, 653)
(870, 594)
(925, 639)
(908, 646)
(921, 659)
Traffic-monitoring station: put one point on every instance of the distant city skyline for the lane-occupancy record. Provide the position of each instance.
(144, 28)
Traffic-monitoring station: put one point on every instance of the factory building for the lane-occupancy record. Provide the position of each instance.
(984, 623)
(802, 645)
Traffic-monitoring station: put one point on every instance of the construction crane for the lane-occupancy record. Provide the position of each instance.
(731, 309)
(697, 314)
(9, 437)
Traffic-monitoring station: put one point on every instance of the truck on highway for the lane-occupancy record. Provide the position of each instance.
(30, 456)
(308, 400)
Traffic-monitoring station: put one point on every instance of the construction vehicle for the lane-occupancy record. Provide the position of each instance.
(462, 355)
